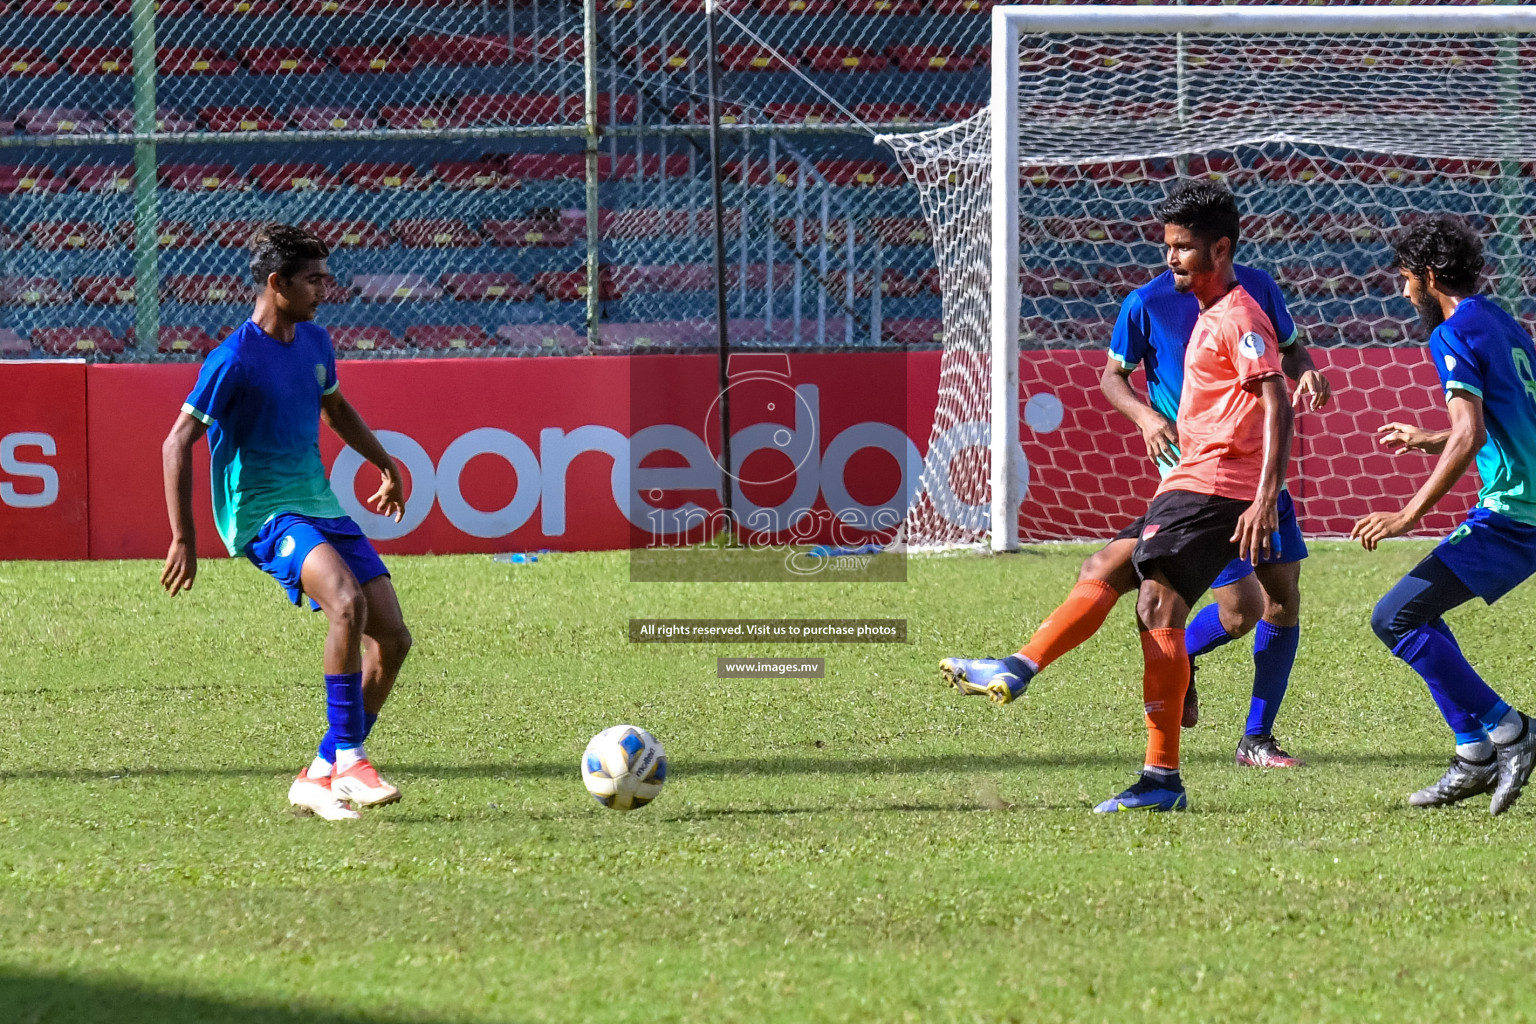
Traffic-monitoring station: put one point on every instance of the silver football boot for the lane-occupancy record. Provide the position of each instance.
(1515, 761)
(1461, 780)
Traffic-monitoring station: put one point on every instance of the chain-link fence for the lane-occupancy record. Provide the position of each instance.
(444, 152)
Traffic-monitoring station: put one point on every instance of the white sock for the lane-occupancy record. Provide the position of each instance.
(1159, 774)
(1479, 751)
(346, 757)
(1509, 728)
(319, 768)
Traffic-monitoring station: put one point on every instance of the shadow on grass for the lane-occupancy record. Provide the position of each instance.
(60, 999)
(726, 767)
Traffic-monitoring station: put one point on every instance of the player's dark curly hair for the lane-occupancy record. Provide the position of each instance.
(1444, 244)
(1207, 208)
(283, 249)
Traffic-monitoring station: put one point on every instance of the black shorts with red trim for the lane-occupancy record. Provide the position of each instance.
(1188, 538)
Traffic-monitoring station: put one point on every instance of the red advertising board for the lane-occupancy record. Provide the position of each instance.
(43, 497)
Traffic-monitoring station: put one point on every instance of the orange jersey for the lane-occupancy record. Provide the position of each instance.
(1221, 420)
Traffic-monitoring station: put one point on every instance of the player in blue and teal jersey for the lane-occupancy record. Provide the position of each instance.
(260, 398)
(1152, 332)
(1487, 368)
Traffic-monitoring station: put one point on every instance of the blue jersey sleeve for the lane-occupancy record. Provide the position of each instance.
(216, 387)
(1272, 301)
(330, 383)
(1457, 362)
(1131, 341)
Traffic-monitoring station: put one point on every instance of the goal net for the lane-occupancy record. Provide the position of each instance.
(1335, 127)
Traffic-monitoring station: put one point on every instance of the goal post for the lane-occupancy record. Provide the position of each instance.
(1417, 102)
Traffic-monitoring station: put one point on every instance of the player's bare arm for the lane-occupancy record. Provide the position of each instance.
(1159, 434)
(176, 462)
(341, 417)
(1312, 388)
(1405, 437)
(1262, 518)
(1458, 449)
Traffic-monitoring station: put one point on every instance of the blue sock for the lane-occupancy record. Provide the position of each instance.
(1019, 667)
(344, 710)
(328, 741)
(1463, 698)
(1204, 632)
(1274, 654)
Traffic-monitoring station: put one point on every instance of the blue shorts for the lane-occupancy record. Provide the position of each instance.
(1490, 552)
(287, 539)
(1285, 545)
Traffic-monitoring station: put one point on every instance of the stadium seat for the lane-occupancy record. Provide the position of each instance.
(281, 60)
(810, 230)
(26, 62)
(1122, 280)
(416, 116)
(60, 121)
(101, 177)
(292, 177)
(195, 60)
(1057, 282)
(77, 341)
(105, 289)
(542, 166)
(60, 8)
(540, 339)
(232, 234)
(669, 57)
(460, 51)
(1338, 228)
(348, 234)
(57, 235)
(173, 234)
(844, 58)
(889, 113)
(200, 177)
(932, 284)
(241, 119)
(313, 8)
(1275, 229)
(370, 60)
(395, 288)
(464, 175)
(167, 119)
(1217, 167)
(1380, 168)
(254, 8)
(32, 291)
(930, 58)
(1380, 330)
(332, 119)
(184, 341)
(515, 108)
(446, 338)
(1130, 172)
(622, 111)
(757, 276)
(655, 336)
(364, 339)
(434, 233)
(893, 283)
(1485, 169)
(525, 232)
(571, 286)
(1300, 169)
(802, 113)
(22, 179)
(208, 289)
(901, 230)
(548, 49)
(750, 57)
(167, 8)
(626, 167)
(797, 6)
(98, 60)
(13, 345)
(1095, 229)
(963, 6)
(868, 173)
(375, 177)
(958, 111)
(899, 8)
(9, 240)
(698, 113)
(489, 287)
(914, 331)
(1319, 282)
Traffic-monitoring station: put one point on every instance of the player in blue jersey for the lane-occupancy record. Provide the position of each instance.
(1153, 331)
(260, 398)
(1487, 367)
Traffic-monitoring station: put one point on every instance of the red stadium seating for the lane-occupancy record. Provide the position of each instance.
(98, 60)
(914, 331)
(208, 289)
(332, 119)
(798, 6)
(901, 230)
(22, 179)
(364, 339)
(860, 172)
(958, 111)
(547, 49)
(194, 60)
(349, 234)
(844, 58)
(25, 62)
(443, 338)
(292, 177)
(889, 113)
(471, 174)
(1060, 282)
(200, 177)
(184, 340)
(491, 287)
(56, 235)
(395, 288)
(930, 58)
(526, 232)
(255, 8)
(60, 8)
(281, 60)
(102, 177)
(312, 8)
(904, 8)
(434, 233)
(370, 60)
(571, 286)
(76, 341)
(515, 108)
(32, 291)
(232, 234)
(173, 234)
(543, 166)
(540, 339)
(374, 177)
(123, 8)
(757, 275)
(1337, 228)
(13, 345)
(621, 112)
(802, 113)
(417, 115)
(9, 240)
(1122, 280)
(105, 290)
(750, 57)
(1275, 228)
(241, 119)
(1319, 282)
(460, 51)
(61, 121)
(626, 167)
(671, 57)
(167, 119)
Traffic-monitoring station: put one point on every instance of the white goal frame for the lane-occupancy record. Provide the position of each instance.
(1011, 22)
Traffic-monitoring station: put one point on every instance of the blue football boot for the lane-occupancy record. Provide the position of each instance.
(1148, 795)
(985, 677)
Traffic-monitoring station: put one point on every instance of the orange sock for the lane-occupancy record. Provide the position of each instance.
(1162, 688)
(1075, 620)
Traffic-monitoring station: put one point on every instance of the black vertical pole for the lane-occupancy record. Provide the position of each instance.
(716, 173)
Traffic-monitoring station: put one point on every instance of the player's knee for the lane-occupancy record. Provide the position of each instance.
(349, 610)
(1240, 619)
(1106, 567)
(397, 644)
(1387, 622)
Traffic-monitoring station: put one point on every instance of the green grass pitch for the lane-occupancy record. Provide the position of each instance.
(868, 847)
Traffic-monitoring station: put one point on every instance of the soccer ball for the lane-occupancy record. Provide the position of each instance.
(623, 767)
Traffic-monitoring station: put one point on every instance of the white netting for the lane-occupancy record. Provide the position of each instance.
(1331, 144)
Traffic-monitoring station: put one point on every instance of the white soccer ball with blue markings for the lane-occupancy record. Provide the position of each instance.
(624, 767)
